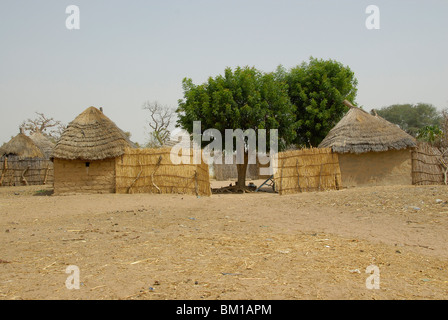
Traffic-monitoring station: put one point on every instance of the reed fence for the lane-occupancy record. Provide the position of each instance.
(21, 172)
(152, 171)
(315, 169)
(429, 165)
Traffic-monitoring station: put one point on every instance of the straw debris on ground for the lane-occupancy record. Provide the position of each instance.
(311, 245)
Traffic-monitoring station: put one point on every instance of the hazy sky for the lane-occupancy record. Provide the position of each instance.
(127, 52)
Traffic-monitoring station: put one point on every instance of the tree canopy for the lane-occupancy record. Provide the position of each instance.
(412, 118)
(303, 103)
(318, 88)
(243, 98)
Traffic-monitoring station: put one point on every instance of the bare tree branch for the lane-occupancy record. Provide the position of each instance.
(160, 119)
(47, 126)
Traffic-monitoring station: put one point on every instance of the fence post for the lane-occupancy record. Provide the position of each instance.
(320, 175)
(280, 189)
(196, 182)
(298, 176)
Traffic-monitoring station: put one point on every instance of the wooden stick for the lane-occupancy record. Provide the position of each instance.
(135, 180)
(46, 174)
(320, 175)
(23, 176)
(97, 287)
(152, 174)
(144, 260)
(297, 169)
(48, 266)
(445, 173)
(281, 178)
(196, 182)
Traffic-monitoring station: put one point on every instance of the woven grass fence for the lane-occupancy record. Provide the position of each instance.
(315, 169)
(24, 172)
(151, 171)
(428, 166)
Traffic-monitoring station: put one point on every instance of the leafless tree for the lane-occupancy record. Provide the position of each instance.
(48, 126)
(160, 119)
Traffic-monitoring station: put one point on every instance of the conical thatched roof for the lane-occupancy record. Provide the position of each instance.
(43, 143)
(21, 146)
(359, 132)
(91, 136)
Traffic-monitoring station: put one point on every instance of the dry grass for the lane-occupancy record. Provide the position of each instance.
(315, 245)
(151, 171)
(360, 132)
(22, 147)
(314, 169)
(91, 136)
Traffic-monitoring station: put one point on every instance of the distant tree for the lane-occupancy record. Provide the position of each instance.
(243, 98)
(159, 122)
(431, 134)
(48, 126)
(411, 117)
(318, 88)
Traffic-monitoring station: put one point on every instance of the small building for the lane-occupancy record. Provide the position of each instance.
(85, 156)
(22, 162)
(371, 150)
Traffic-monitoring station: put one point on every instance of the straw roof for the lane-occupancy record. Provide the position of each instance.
(43, 143)
(359, 132)
(91, 136)
(21, 146)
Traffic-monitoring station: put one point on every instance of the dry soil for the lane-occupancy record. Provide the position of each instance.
(314, 245)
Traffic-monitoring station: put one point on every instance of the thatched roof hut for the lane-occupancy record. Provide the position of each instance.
(359, 132)
(86, 155)
(43, 143)
(24, 163)
(372, 151)
(21, 146)
(91, 136)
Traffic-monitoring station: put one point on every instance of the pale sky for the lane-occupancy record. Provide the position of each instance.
(128, 52)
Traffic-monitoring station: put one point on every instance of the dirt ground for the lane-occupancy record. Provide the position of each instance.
(228, 246)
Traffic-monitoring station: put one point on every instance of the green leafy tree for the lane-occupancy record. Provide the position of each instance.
(243, 98)
(444, 128)
(411, 118)
(430, 134)
(318, 88)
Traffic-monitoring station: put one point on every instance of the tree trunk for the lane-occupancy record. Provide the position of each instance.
(242, 169)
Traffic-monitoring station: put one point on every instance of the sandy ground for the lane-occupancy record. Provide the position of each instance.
(227, 246)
